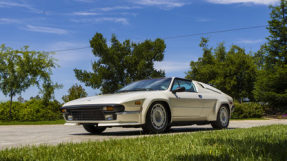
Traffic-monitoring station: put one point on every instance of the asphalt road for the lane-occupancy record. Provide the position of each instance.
(21, 135)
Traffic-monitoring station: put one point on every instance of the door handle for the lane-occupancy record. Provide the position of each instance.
(200, 96)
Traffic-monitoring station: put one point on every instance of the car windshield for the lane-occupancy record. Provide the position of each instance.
(147, 85)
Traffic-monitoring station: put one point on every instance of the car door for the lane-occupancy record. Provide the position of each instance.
(208, 104)
(186, 105)
(209, 99)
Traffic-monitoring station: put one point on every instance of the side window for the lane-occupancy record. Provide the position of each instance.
(192, 88)
(176, 84)
(188, 85)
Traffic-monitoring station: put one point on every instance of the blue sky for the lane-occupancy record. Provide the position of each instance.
(49, 25)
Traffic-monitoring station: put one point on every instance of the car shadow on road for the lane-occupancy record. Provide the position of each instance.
(140, 132)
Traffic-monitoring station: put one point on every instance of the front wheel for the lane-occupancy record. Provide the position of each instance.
(94, 129)
(222, 120)
(156, 119)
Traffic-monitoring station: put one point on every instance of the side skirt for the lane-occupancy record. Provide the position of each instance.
(186, 123)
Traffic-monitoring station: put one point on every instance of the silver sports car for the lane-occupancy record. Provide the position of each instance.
(153, 104)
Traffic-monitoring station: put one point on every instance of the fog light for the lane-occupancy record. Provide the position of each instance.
(70, 117)
(108, 117)
(108, 108)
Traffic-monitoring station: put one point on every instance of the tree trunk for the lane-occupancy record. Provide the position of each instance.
(11, 99)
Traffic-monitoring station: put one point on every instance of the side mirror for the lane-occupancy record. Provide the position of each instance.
(178, 89)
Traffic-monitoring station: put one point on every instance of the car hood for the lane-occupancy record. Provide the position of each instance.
(117, 98)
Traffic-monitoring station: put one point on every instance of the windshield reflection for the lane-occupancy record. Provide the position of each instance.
(147, 85)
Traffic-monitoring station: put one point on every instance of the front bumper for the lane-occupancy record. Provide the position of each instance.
(94, 114)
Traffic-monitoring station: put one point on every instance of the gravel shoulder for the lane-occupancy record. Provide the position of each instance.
(21, 135)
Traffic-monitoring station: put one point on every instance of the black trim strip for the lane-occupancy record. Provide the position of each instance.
(186, 123)
(90, 106)
(117, 107)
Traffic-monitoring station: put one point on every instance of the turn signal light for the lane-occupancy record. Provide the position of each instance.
(108, 108)
(138, 103)
(64, 110)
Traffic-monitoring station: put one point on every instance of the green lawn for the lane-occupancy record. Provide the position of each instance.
(259, 143)
(32, 122)
(262, 118)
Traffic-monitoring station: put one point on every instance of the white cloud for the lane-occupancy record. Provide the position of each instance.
(12, 4)
(246, 41)
(9, 4)
(118, 8)
(86, 13)
(263, 2)
(120, 20)
(105, 11)
(46, 29)
(8, 21)
(172, 66)
(161, 3)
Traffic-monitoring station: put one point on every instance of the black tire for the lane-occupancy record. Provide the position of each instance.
(168, 128)
(157, 120)
(222, 119)
(94, 129)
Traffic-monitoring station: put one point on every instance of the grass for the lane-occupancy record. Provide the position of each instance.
(32, 122)
(258, 143)
(262, 118)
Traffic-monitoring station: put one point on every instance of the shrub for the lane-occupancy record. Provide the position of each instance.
(32, 110)
(248, 110)
(5, 107)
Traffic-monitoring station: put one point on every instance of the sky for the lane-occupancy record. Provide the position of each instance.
(55, 25)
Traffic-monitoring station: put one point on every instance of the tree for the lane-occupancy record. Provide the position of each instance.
(37, 97)
(238, 74)
(259, 57)
(75, 92)
(271, 84)
(232, 71)
(48, 90)
(121, 63)
(203, 70)
(277, 40)
(20, 69)
(21, 99)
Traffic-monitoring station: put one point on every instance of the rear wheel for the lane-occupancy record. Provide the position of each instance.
(222, 120)
(156, 119)
(94, 129)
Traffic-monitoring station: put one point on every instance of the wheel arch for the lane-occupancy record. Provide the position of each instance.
(226, 105)
(148, 106)
(217, 124)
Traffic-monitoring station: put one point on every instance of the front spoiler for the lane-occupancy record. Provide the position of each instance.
(107, 124)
